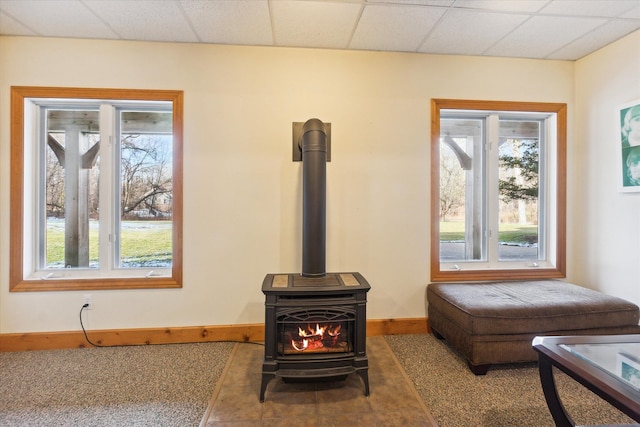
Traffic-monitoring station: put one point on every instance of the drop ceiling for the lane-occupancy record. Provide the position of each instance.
(542, 29)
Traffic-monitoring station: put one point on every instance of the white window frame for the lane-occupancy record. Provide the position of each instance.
(27, 271)
(551, 182)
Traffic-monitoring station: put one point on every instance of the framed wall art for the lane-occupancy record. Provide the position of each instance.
(628, 145)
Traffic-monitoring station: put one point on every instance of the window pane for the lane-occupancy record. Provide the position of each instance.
(518, 185)
(72, 172)
(461, 183)
(146, 189)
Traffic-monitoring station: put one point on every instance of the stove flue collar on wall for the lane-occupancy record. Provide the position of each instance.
(299, 130)
(310, 143)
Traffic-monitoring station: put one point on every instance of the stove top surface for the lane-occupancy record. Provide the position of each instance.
(330, 281)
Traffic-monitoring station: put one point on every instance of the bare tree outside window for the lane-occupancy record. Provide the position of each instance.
(146, 177)
(452, 180)
(146, 198)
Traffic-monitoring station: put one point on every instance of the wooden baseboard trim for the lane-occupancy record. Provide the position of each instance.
(189, 334)
(418, 325)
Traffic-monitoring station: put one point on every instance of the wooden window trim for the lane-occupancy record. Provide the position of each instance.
(17, 282)
(559, 271)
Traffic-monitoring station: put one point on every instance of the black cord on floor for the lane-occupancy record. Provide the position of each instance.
(85, 332)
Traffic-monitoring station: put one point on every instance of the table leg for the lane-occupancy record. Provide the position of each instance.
(558, 412)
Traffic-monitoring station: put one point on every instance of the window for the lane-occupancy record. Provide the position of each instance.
(497, 190)
(96, 190)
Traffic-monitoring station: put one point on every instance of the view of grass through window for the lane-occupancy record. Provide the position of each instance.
(146, 243)
(517, 241)
(453, 231)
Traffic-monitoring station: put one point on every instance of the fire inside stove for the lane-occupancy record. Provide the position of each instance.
(317, 338)
(315, 330)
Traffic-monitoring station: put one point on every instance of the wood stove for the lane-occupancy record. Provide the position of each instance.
(315, 322)
(315, 328)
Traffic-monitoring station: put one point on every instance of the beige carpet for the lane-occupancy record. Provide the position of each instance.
(508, 396)
(157, 385)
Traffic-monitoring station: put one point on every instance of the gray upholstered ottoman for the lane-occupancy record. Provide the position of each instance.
(490, 323)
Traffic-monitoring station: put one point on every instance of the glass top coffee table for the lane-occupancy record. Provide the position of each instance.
(608, 365)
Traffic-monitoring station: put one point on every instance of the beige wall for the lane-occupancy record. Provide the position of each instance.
(242, 191)
(605, 249)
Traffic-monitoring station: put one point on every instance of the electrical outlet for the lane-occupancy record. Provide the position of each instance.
(88, 301)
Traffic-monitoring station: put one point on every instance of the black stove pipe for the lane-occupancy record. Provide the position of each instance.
(313, 144)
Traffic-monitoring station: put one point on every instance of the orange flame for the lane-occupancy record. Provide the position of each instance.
(312, 338)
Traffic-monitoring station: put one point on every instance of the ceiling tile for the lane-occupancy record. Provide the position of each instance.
(442, 3)
(57, 18)
(313, 23)
(467, 32)
(595, 40)
(610, 8)
(632, 13)
(550, 33)
(230, 21)
(156, 20)
(11, 26)
(527, 6)
(383, 27)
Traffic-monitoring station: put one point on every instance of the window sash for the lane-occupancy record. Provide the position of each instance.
(482, 214)
(110, 189)
(46, 107)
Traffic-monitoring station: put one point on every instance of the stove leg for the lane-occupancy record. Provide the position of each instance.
(263, 387)
(364, 374)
